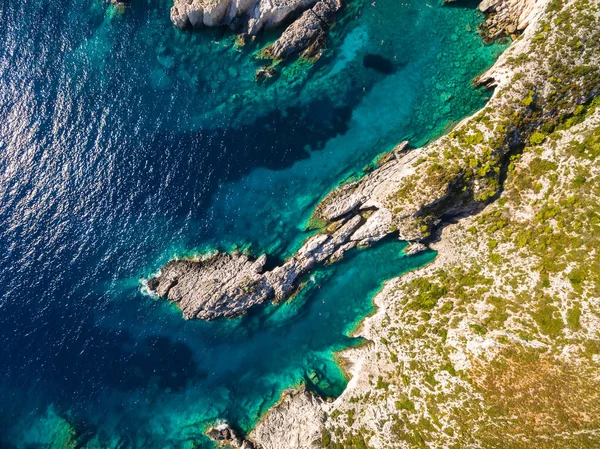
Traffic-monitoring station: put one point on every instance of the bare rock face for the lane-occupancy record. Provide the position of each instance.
(377, 192)
(506, 16)
(253, 15)
(220, 285)
(227, 285)
(295, 422)
(307, 33)
(378, 225)
(371, 193)
(415, 248)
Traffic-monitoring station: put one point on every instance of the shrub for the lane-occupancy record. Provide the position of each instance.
(537, 138)
(573, 316)
(405, 404)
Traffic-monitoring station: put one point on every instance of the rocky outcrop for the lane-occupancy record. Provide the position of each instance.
(372, 192)
(295, 422)
(227, 285)
(219, 285)
(307, 33)
(415, 248)
(506, 16)
(226, 436)
(224, 285)
(250, 15)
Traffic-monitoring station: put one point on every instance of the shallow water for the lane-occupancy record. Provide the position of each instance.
(124, 142)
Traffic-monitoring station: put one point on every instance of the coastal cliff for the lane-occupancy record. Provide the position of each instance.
(495, 344)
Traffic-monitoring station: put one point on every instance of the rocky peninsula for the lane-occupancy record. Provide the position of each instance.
(227, 285)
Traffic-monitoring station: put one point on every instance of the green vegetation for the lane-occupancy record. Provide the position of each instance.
(548, 318)
(527, 282)
(426, 294)
(405, 404)
(573, 317)
(537, 138)
(349, 441)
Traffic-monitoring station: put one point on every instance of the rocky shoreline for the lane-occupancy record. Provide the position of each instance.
(306, 33)
(505, 17)
(308, 21)
(294, 422)
(223, 285)
(410, 194)
(405, 389)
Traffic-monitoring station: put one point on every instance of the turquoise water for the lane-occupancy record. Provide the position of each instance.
(126, 142)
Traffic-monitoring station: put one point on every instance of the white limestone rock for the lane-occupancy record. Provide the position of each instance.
(295, 422)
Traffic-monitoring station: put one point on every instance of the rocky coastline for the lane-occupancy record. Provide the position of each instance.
(473, 350)
(294, 422)
(413, 194)
(223, 285)
(505, 17)
(310, 20)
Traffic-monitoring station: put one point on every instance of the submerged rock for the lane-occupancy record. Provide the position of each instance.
(119, 5)
(265, 73)
(379, 64)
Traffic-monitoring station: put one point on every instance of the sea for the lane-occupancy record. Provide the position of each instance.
(125, 142)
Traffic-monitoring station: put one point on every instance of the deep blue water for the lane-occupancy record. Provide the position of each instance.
(124, 142)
